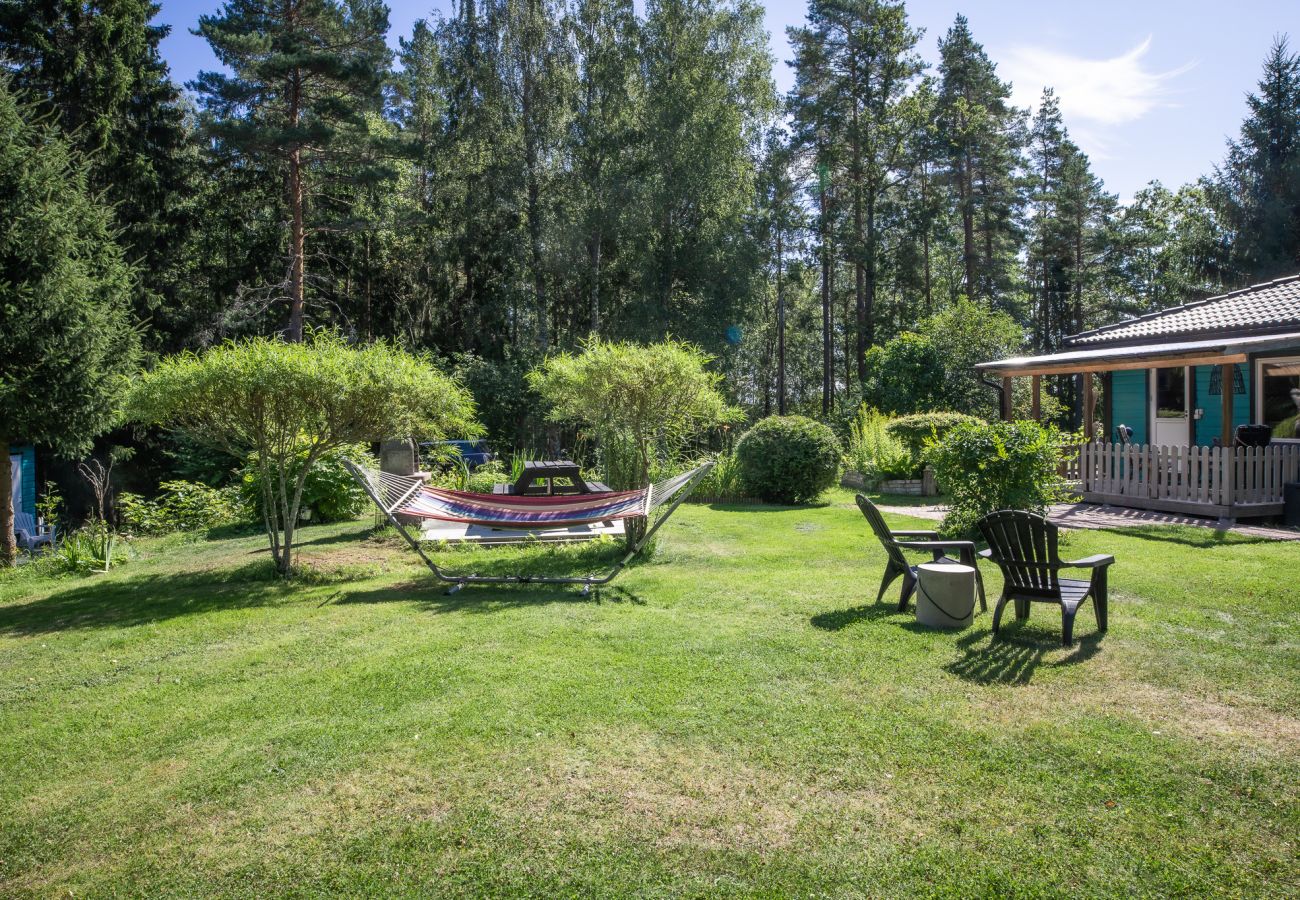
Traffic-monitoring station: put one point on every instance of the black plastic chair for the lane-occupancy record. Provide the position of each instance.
(895, 542)
(1023, 545)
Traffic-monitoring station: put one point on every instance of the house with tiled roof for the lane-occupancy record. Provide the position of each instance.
(1195, 408)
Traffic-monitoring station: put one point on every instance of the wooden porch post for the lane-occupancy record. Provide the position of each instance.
(1006, 398)
(1038, 398)
(1226, 372)
(1089, 411)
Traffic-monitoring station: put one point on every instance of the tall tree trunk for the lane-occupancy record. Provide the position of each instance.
(8, 544)
(297, 269)
(530, 114)
(828, 353)
(967, 223)
(780, 327)
(593, 250)
(859, 273)
(867, 315)
(925, 242)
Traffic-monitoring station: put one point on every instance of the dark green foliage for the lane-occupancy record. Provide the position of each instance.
(919, 429)
(96, 71)
(329, 493)
(66, 335)
(511, 412)
(1257, 189)
(788, 459)
(964, 335)
(182, 506)
(1000, 465)
(905, 375)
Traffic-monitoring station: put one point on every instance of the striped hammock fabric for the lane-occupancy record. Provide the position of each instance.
(504, 511)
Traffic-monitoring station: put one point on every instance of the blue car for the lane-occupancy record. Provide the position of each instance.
(473, 453)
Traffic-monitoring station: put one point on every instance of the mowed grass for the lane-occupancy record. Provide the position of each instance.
(734, 717)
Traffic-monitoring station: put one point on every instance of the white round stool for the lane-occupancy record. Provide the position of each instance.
(945, 595)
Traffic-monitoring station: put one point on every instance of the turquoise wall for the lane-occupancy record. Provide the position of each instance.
(26, 503)
(1129, 402)
(1210, 425)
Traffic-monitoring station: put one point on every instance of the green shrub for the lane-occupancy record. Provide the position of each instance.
(873, 451)
(92, 548)
(788, 459)
(721, 483)
(458, 477)
(919, 429)
(644, 404)
(182, 506)
(904, 375)
(1000, 465)
(329, 491)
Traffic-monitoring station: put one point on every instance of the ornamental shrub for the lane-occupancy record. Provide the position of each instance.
(874, 452)
(282, 406)
(329, 491)
(999, 465)
(919, 429)
(788, 459)
(181, 506)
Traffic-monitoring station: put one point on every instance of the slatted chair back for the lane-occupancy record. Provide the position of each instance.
(877, 522)
(1024, 546)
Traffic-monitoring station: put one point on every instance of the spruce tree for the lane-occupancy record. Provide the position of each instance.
(1257, 189)
(97, 70)
(66, 337)
(303, 76)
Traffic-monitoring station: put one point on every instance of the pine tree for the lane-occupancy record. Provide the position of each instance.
(1257, 189)
(867, 65)
(304, 74)
(66, 334)
(983, 134)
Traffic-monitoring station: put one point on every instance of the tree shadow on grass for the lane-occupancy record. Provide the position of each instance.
(431, 595)
(94, 602)
(1012, 657)
(762, 507)
(839, 619)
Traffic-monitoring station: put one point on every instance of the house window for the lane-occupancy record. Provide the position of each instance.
(1279, 395)
(1171, 393)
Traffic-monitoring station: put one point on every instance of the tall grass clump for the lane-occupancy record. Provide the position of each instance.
(874, 452)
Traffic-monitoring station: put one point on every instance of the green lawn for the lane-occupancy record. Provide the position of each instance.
(734, 717)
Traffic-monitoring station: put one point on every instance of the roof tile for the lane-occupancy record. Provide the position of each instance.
(1273, 305)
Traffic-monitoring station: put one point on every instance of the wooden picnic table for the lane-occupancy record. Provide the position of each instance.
(539, 478)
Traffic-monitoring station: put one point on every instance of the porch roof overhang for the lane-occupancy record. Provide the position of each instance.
(1213, 351)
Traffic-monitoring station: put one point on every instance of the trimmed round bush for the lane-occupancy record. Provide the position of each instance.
(788, 459)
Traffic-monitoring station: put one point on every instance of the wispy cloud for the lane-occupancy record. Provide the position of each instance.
(1096, 95)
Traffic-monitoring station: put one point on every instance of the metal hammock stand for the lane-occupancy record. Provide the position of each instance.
(394, 494)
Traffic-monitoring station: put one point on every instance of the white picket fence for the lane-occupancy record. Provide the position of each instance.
(1211, 480)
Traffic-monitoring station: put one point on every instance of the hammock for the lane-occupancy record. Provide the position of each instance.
(409, 496)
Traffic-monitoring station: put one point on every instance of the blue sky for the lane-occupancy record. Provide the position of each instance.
(1149, 88)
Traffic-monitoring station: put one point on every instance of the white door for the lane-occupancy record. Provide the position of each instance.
(1169, 406)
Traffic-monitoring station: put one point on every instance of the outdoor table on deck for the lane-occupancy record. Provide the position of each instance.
(539, 477)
